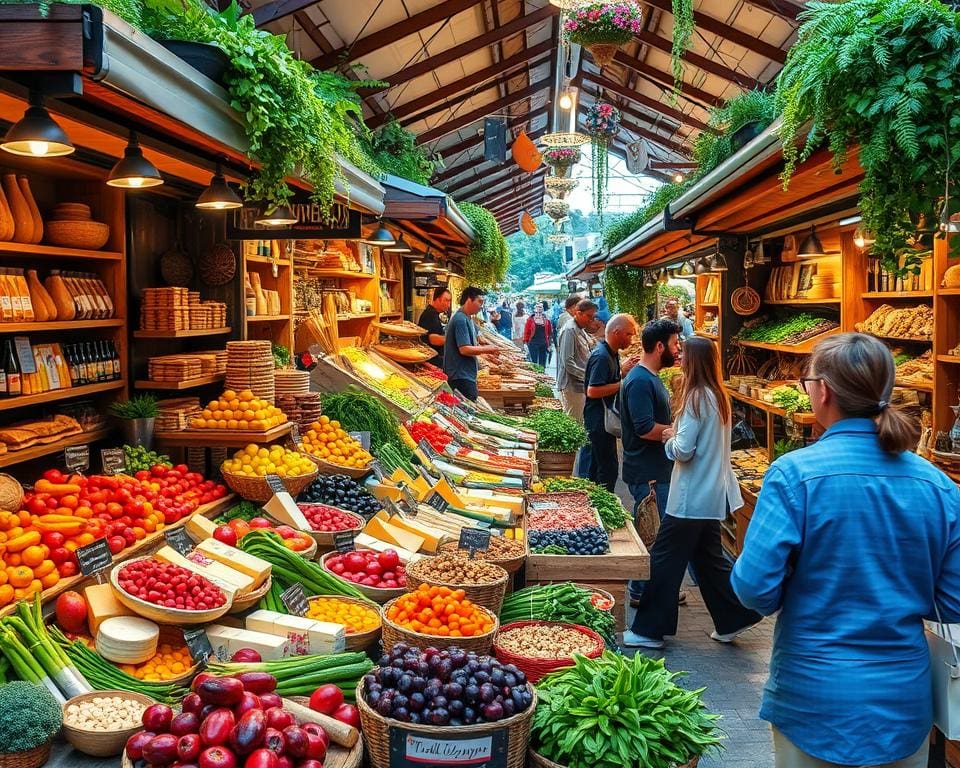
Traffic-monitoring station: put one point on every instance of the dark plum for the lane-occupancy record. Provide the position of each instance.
(509, 710)
(417, 702)
(440, 717)
(471, 694)
(402, 714)
(405, 684)
(453, 691)
(401, 700)
(456, 708)
(493, 711)
(431, 691)
(469, 715)
(482, 677)
(415, 718)
(509, 679)
(487, 693)
(498, 678)
(385, 706)
(373, 697)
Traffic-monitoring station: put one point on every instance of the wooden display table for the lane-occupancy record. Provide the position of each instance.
(222, 438)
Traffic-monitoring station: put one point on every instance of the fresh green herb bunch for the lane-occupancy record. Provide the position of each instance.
(615, 712)
(137, 458)
(608, 505)
(139, 407)
(783, 446)
(559, 602)
(359, 412)
(557, 432)
(537, 368)
(281, 356)
(487, 261)
(541, 389)
(790, 399)
(30, 716)
(884, 76)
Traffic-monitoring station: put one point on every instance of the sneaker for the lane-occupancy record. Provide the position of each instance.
(730, 636)
(682, 597)
(633, 640)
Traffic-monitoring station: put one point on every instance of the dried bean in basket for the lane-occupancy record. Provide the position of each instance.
(544, 642)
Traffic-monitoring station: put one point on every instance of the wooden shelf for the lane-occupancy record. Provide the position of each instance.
(796, 349)
(706, 335)
(920, 387)
(389, 280)
(906, 295)
(60, 394)
(359, 316)
(54, 252)
(788, 302)
(63, 325)
(898, 340)
(954, 359)
(763, 405)
(36, 451)
(180, 334)
(268, 260)
(391, 314)
(344, 273)
(709, 304)
(230, 438)
(266, 318)
(200, 381)
(948, 292)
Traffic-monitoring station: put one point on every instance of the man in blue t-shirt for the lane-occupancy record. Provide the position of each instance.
(460, 347)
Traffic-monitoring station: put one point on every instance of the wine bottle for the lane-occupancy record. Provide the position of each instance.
(101, 361)
(12, 366)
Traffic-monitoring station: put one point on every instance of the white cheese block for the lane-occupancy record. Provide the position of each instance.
(127, 640)
(226, 641)
(238, 560)
(282, 507)
(369, 542)
(306, 636)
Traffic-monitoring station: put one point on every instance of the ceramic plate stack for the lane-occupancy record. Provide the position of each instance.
(164, 309)
(250, 366)
(127, 640)
(288, 381)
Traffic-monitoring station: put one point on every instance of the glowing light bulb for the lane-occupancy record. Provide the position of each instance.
(678, 177)
(135, 181)
(565, 101)
(39, 148)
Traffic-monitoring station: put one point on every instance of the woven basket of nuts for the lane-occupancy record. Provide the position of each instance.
(483, 583)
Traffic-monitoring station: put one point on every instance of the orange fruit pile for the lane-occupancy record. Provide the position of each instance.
(327, 440)
(239, 410)
(439, 611)
(354, 617)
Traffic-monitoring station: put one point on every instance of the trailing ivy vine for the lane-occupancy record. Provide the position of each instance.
(710, 149)
(488, 258)
(623, 286)
(395, 150)
(682, 34)
(881, 75)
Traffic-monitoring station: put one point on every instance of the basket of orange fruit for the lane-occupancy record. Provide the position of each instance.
(25, 563)
(246, 473)
(333, 450)
(239, 411)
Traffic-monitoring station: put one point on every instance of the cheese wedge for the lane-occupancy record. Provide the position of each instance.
(200, 527)
(283, 508)
(393, 534)
(238, 560)
(431, 536)
(228, 580)
(367, 541)
(102, 604)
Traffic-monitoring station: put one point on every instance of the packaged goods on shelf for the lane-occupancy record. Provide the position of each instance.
(323, 254)
(788, 330)
(175, 414)
(750, 465)
(178, 309)
(809, 279)
(77, 296)
(913, 370)
(906, 323)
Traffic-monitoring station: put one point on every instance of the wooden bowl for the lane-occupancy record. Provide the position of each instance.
(376, 594)
(157, 613)
(324, 539)
(101, 743)
(89, 235)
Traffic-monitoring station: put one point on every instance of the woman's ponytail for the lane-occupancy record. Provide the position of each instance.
(896, 431)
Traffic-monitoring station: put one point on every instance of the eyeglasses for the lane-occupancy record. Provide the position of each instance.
(805, 379)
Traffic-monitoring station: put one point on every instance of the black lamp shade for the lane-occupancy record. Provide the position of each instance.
(381, 236)
(811, 245)
(398, 247)
(133, 170)
(37, 134)
(219, 196)
(281, 216)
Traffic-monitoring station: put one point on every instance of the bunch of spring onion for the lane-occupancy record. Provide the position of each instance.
(302, 675)
(559, 602)
(35, 657)
(105, 676)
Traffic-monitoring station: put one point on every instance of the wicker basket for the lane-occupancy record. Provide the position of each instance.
(358, 641)
(393, 634)
(257, 489)
(159, 614)
(602, 592)
(376, 730)
(101, 743)
(91, 235)
(490, 596)
(534, 669)
(29, 758)
(452, 545)
(539, 761)
(376, 594)
(328, 468)
(240, 604)
(324, 539)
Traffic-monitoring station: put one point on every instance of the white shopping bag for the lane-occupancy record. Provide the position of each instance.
(945, 669)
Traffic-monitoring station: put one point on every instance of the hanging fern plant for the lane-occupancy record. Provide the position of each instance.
(624, 289)
(881, 75)
(395, 150)
(488, 258)
(682, 34)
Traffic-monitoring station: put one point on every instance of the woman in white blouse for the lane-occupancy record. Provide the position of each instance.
(702, 490)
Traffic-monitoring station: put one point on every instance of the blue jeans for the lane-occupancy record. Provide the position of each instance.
(639, 492)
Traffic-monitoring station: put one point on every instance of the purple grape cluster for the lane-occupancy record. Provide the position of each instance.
(450, 687)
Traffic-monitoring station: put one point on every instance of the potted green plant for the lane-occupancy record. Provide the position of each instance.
(558, 439)
(137, 416)
(30, 718)
(617, 712)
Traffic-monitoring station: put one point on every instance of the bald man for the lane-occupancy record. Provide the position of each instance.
(604, 372)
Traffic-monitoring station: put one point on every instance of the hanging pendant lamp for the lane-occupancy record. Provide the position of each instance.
(398, 247)
(381, 236)
(811, 246)
(280, 216)
(36, 134)
(133, 170)
(219, 196)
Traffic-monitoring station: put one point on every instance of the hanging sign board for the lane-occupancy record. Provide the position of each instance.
(313, 223)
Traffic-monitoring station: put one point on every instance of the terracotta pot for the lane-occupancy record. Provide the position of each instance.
(6, 218)
(22, 218)
(34, 210)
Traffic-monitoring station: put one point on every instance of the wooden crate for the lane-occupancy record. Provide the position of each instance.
(628, 559)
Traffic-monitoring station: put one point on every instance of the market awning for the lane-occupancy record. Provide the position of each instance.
(430, 214)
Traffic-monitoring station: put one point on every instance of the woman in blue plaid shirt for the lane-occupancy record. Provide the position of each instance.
(854, 540)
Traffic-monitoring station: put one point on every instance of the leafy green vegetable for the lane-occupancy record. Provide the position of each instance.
(245, 510)
(790, 399)
(615, 712)
(782, 447)
(136, 458)
(550, 549)
(139, 407)
(789, 329)
(540, 389)
(559, 602)
(359, 412)
(557, 432)
(281, 356)
(29, 716)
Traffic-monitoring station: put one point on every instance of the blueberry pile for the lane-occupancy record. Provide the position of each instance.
(450, 687)
(579, 541)
(341, 491)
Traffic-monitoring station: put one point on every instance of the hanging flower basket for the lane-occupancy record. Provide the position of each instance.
(556, 209)
(602, 28)
(558, 187)
(602, 122)
(562, 159)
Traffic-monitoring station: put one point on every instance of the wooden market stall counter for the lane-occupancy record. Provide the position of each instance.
(627, 559)
(148, 544)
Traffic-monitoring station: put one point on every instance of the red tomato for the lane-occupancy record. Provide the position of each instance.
(389, 559)
(225, 534)
(260, 522)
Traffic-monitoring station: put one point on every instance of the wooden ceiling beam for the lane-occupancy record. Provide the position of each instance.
(489, 187)
(497, 180)
(459, 86)
(499, 201)
(279, 9)
(483, 111)
(650, 103)
(394, 32)
(514, 122)
(782, 8)
(734, 35)
(665, 79)
(465, 49)
(475, 164)
(707, 65)
(662, 141)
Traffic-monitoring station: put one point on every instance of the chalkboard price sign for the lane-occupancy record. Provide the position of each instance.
(425, 446)
(113, 460)
(343, 541)
(377, 470)
(179, 540)
(276, 484)
(198, 644)
(474, 539)
(437, 501)
(77, 458)
(295, 600)
(94, 557)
